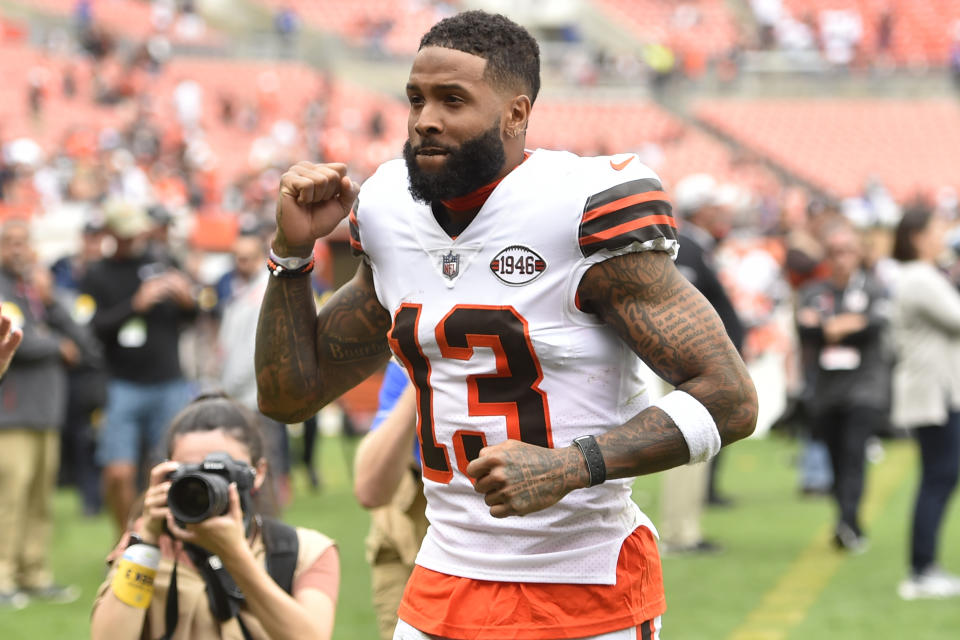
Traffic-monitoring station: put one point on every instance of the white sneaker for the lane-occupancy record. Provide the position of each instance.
(13, 600)
(934, 583)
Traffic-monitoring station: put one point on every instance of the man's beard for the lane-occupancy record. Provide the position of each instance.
(472, 165)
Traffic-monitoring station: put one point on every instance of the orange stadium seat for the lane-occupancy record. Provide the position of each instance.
(922, 29)
(395, 25)
(349, 109)
(578, 125)
(131, 18)
(913, 146)
(700, 28)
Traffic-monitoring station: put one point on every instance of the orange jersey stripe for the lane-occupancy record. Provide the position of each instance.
(626, 227)
(455, 607)
(356, 245)
(353, 216)
(623, 203)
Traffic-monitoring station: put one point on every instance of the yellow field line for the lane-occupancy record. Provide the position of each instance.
(787, 603)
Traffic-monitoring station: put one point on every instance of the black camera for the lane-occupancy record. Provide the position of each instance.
(200, 491)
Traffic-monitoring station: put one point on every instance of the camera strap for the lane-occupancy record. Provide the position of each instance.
(171, 612)
(282, 548)
(223, 595)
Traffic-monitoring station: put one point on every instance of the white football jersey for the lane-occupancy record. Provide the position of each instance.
(488, 327)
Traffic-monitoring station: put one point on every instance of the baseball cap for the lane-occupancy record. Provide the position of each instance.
(125, 219)
(694, 192)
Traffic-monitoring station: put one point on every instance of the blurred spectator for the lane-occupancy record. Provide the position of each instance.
(158, 238)
(841, 31)
(954, 61)
(841, 320)
(86, 382)
(69, 271)
(82, 16)
(705, 221)
(926, 391)
(236, 344)
(387, 480)
(885, 23)
(141, 307)
(685, 489)
(286, 24)
(188, 102)
(33, 399)
(803, 222)
(768, 14)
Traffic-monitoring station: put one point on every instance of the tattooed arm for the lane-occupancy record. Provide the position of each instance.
(304, 359)
(673, 328)
(669, 324)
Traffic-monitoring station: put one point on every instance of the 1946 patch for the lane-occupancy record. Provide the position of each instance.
(517, 265)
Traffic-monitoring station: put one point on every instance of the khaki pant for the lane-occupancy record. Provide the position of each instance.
(682, 494)
(28, 473)
(396, 532)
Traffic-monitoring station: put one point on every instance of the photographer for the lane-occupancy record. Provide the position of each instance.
(161, 556)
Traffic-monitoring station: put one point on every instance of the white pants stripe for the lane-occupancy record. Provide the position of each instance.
(405, 632)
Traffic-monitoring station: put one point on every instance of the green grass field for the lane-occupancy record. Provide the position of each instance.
(777, 579)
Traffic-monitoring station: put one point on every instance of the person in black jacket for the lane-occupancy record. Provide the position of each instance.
(704, 221)
(840, 322)
(32, 403)
(142, 304)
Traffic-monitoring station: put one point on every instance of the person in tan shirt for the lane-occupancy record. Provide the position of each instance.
(208, 425)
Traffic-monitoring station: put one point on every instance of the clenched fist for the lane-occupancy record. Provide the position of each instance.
(518, 478)
(313, 199)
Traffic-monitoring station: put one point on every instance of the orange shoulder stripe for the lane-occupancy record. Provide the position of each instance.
(627, 227)
(622, 203)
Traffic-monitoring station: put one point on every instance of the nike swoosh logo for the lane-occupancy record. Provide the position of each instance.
(618, 166)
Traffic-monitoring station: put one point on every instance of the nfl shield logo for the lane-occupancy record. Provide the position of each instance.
(451, 265)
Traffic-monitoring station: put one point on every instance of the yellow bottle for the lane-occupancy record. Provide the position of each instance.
(133, 582)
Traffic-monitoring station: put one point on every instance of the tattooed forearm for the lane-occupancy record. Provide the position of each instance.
(647, 443)
(352, 325)
(674, 329)
(285, 371)
(304, 360)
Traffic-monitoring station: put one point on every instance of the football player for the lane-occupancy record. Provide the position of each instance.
(519, 289)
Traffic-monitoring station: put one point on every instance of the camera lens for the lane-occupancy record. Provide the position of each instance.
(196, 497)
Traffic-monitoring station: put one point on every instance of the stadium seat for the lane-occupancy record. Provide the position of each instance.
(913, 146)
(921, 33)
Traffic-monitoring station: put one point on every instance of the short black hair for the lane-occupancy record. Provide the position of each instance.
(512, 54)
(914, 221)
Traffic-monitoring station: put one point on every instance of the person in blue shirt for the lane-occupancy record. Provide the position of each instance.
(387, 481)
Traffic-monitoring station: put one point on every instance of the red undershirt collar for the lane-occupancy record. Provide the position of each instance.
(475, 199)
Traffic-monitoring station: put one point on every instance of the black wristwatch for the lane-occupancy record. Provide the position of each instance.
(136, 538)
(593, 457)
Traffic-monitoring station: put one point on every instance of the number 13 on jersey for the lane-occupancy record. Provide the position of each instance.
(512, 391)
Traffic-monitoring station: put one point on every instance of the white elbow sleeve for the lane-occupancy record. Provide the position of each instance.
(695, 423)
